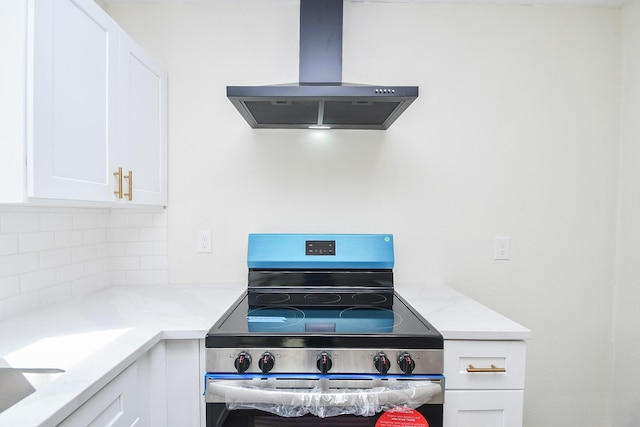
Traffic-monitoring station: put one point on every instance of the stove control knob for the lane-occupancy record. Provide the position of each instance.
(266, 362)
(382, 364)
(406, 363)
(324, 362)
(242, 362)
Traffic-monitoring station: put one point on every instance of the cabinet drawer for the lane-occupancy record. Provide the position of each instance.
(483, 408)
(508, 356)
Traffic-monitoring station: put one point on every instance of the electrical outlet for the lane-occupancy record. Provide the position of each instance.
(501, 248)
(204, 241)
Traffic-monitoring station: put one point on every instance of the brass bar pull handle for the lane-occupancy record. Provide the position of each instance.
(129, 178)
(493, 368)
(118, 174)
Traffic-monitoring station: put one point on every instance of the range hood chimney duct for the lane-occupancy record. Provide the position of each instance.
(320, 99)
(320, 42)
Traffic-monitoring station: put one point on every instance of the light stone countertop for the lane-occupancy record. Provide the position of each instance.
(95, 337)
(458, 317)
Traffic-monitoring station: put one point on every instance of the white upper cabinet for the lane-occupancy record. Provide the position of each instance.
(142, 146)
(74, 93)
(85, 100)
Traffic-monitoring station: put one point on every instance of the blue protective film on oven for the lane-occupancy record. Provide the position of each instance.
(284, 376)
(351, 320)
(348, 251)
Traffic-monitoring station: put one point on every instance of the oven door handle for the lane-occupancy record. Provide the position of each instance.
(412, 392)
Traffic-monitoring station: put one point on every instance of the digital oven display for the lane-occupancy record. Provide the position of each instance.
(320, 247)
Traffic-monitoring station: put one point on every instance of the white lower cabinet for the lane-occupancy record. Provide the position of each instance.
(117, 404)
(162, 388)
(484, 383)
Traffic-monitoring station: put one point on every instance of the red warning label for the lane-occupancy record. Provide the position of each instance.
(402, 417)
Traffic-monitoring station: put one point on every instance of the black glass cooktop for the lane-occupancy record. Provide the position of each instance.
(360, 326)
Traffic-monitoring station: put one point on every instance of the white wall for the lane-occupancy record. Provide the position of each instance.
(626, 397)
(515, 133)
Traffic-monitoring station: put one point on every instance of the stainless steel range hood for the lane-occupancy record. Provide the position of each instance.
(320, 99)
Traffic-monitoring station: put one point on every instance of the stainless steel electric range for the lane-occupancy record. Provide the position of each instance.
(320, 338)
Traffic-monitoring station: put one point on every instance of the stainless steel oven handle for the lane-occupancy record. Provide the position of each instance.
(418, 391)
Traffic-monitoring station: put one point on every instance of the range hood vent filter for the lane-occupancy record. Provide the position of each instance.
(334, 113)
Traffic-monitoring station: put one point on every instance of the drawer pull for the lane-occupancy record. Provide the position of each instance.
(493, 368)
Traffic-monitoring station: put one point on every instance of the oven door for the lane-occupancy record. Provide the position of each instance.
(322, 400)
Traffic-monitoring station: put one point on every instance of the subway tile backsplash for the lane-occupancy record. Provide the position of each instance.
(49, 254)
(139, 248)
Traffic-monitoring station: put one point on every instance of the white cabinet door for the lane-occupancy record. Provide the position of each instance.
(142, 146)
(137, 396)
(13, 82)
(483, 408)
(73, 98)
(116, 405)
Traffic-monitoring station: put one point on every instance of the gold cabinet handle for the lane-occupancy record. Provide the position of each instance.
(118, 174)
(493, 368)
(129, 178)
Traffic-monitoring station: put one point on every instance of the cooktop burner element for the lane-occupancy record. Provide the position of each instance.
(390, 319)
(369, 299)
(272, 298)
(322, 298)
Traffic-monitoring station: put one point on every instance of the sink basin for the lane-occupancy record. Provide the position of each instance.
(15, 386)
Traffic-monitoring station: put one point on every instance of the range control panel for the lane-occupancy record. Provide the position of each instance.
(325, 361)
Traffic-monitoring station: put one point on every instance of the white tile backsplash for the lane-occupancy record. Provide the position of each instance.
(138, 242)
(37, 280)
(124, 234)
(137, 249)
(139, 220)
(68, 238)
(50, 254)
(34, 242)
(69, 273)
(83, 253)
(50, 221)
(9, 287)
(15, 264)
(85, 221)
(19, 222)
(123, 263)
(55, 258)
(8, 244)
